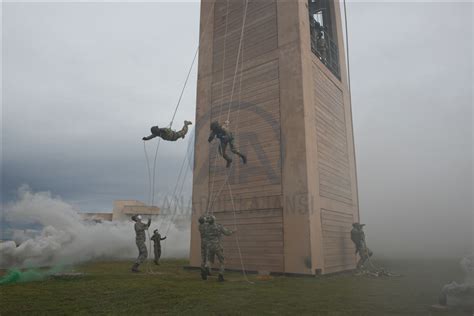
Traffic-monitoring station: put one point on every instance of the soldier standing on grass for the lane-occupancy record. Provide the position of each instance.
(157, 245)
(214, 236)
(203, 229)
(140, 238)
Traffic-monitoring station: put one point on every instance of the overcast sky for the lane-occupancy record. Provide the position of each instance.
(83, 82)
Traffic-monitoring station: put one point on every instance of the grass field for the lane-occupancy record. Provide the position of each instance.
(109, 288)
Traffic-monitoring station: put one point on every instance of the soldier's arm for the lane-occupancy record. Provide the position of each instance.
(226, 231)
(211, 136)
(163, 238)
(149, 137)
(149, 223)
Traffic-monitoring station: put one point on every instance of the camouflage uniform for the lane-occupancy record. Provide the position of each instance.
(226, 138)
(203, 228)
(157, 245)
(140, 238)
(214, 245)
(358, 238)
(167, 133)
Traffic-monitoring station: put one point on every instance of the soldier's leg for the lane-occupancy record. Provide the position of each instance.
(203, 257)
(224, 154)
(157, 255)
(220, 257)
(184, 130)
(207, 267)
(235, 151)
(142, 255)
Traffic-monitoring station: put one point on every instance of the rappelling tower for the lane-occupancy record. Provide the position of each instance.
(277, 71)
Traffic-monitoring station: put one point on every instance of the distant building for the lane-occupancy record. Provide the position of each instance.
(123, 210)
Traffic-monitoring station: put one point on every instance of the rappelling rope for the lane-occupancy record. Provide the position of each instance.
(223, 57)
(152, 181)
(149, 173)
(179, 101)
(210, 199)
(240, 51)
(350, 95)
(237, 237)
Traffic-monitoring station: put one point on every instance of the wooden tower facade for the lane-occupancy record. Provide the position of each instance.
(286, 95)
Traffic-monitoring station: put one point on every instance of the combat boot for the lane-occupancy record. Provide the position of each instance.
(203, 274)
(220, 278)
(188, 123)
(135, 267)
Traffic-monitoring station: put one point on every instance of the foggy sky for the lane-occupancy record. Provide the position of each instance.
(83, 82)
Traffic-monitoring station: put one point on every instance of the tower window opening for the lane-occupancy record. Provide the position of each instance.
(323, 34)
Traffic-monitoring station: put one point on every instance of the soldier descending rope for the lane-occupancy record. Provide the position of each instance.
(167, 133)
(358, 238)
(226, 138)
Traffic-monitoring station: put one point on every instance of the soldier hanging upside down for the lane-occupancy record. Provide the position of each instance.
(213, 244)
(167, 133)
(226, 138)
(358, 238)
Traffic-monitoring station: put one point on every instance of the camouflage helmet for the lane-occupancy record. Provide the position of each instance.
(201, 219)
(155, 130)
(134, 217)
(155, 231)
(211, 219)
(214, 125)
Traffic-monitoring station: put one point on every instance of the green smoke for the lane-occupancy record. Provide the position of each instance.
(15, 275)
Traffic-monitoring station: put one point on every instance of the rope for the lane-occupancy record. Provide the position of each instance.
(178, 103)
(149, 173)
(184, 86)
(237, 237)
(237, 125)
(230, 103)
(191, 67)
(151, 182)
(222, 102)
(350, 98)
(223, 58)
(154, 173)
(238, 55)
(174, 196)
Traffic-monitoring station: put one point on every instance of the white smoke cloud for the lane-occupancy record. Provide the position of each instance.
(67, 239)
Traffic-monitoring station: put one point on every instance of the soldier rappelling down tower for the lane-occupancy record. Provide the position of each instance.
(167, 133)
(226, 138)
(358, 238)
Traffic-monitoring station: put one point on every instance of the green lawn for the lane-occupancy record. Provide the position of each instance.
(109, 288)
